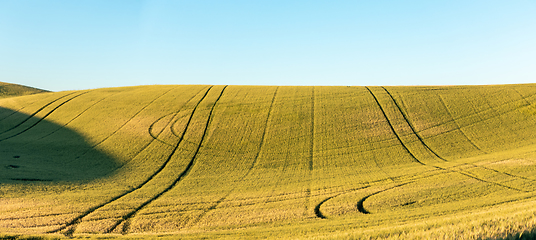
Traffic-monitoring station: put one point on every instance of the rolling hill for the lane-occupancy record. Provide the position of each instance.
(195, 161)
(12, 90)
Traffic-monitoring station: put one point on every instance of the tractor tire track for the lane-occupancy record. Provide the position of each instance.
(311, 153)
(509, 174)
(41, 119)
(33, 114)
(523, 97)
(125, 123)
(497, 171)
(184, 173)
(257, 200)
(13, 111)
(284, 170)
(34, 216)
(312, 130)
(417, 160)
(29, 227)
(478, 148)
(263, 137)
(319, 213)
(359, 204)
(393, 129)
(482, 112)
(459, 127)
(77, 116)
(274, 198)
(446, 169)
(253, 164)
(149, 143)
(78, 219)
(176, 120)
(419, 176)
(486, 181)
(173, 129)
(411, 125)
(155, 137)
(430, 149)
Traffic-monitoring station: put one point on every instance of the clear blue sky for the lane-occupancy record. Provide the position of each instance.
(82, 44)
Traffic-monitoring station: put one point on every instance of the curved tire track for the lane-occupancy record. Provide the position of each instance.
(149, 143)
(359, 204)
(253, 164)
(317, 210)
(125, 123)
(437, 155)
(33, 114)
(417, 160)
(483, 112)
(40, 119)
(78, 219)
(179, 178)
(393, 129)
(77, 116)
(257, 200)
(411, 125)
(155, 136)
(458, 125)
(34, 216)
(319, 213)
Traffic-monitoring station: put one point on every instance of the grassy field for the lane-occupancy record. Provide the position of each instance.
(192, 161)
(12, 90)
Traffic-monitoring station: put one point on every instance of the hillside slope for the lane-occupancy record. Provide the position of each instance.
(11, 90)
(228, 161)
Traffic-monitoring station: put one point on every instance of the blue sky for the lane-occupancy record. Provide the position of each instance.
(83, 44)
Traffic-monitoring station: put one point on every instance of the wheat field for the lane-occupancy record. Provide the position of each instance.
(294, 162)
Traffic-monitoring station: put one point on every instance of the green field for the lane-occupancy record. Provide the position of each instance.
(12, 90)
(192, 161)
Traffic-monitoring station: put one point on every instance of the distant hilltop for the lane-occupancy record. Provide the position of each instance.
(12, 90)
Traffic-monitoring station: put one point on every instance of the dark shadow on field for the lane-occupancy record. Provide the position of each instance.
(35, 150)
(526, 235)
(21, 237)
